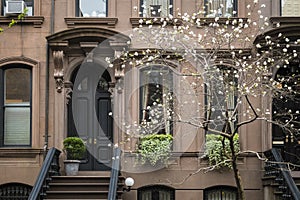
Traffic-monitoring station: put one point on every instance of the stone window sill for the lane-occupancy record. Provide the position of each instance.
(135, 22)
(37, 21)
(91, 21)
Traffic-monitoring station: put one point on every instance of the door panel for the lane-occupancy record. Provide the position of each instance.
(92, 123)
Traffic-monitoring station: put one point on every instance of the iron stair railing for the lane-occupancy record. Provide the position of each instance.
(276, 167)
(114, 176)
(50, 168)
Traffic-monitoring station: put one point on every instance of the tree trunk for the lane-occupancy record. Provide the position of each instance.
(237, 175)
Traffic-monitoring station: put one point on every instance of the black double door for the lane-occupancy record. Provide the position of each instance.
(90, 118)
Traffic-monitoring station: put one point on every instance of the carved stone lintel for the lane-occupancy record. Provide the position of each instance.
(58, 70)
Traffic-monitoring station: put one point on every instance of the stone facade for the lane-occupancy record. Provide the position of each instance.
(54, 42)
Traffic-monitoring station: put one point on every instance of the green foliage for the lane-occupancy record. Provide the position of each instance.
(74, 148)
(154, 148)
(14, 22)
(217, 149)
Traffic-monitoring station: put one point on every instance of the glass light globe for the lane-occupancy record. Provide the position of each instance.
(129, 182)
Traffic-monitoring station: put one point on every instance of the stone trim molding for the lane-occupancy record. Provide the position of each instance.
(91, 21)
(37, 21)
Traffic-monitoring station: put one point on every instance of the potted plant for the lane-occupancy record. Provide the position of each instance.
(74, 149)
(154, 148)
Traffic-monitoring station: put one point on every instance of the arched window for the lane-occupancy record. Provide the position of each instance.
(15, 105)
(15, 191)
(220, 193)
(156, 99)
(156, 192)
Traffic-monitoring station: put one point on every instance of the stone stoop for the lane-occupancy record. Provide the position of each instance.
(86, 185)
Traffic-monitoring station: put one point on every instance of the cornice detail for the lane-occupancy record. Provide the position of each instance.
(285, 21)
(91, 21)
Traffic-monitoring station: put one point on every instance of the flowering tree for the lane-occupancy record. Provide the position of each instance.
(228, 61)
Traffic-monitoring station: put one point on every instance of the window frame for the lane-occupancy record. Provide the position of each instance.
(222, 68)
(142, 9)
(281, 11)
(235, 8)
(77, 10)
(221, 189)
(171, 90)
(156, 188)
(3, 4)
(3, 106)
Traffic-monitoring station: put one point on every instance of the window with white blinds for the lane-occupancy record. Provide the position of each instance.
(290, 8)
(15, 111)
(221, 8)
(156, 8)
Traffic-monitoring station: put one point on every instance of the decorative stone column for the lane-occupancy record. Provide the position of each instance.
(59, 98)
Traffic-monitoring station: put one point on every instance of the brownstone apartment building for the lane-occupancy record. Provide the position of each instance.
(39, 60)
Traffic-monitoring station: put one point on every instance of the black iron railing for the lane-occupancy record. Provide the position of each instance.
(114, 176)
(277, 168)
(50, 168)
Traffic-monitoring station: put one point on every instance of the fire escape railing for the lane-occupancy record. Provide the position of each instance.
(49, 168)
(114, 176)
(276, 167)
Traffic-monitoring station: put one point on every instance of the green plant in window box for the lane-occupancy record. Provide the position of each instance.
(154, 148)
(217, 150)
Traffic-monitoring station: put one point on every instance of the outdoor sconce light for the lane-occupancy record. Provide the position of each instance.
(129, 183)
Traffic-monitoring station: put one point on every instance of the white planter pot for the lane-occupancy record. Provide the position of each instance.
(71, 167)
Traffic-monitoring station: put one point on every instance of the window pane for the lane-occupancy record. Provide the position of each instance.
(290, 7)
(17, 86)
(221, 97)
(17, 126)
(220, 8)
(156, 99)
(156, 8)
(92, 8)
(220, 194)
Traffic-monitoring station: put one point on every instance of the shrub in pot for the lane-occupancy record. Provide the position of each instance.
(74, 149)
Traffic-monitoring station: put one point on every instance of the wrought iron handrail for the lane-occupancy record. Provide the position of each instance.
(287, 178)
(49, 168)
(114, 176)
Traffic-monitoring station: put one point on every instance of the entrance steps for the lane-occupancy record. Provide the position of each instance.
(86, 185)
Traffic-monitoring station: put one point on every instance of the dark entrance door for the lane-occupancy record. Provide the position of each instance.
(286, 130)
(90, 118)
